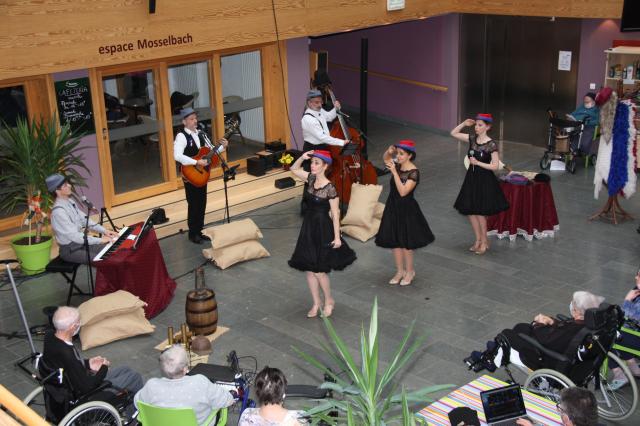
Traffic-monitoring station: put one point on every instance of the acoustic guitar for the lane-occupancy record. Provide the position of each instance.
(198, 176)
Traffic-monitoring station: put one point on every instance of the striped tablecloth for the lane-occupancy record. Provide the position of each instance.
(540, 410)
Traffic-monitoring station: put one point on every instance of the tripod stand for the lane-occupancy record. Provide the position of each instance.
(27, 330)
(228, 173)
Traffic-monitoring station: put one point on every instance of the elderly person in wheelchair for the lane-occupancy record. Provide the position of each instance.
(517, 345)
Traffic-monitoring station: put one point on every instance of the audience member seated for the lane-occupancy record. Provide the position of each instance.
(631, 308)
(177, 390)
(577, 407)
(84, 375)
(589, 114)
(551, 333)
(271, 385)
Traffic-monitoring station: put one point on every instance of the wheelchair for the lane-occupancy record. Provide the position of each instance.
(584, 364)
(103, 406)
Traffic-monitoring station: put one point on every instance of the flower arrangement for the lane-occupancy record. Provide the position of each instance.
(286, 160)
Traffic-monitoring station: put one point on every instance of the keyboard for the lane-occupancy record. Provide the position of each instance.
(119, 243)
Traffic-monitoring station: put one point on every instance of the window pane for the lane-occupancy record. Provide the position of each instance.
(189, 88)
(242, 100)
(13, 105)
(134, 130)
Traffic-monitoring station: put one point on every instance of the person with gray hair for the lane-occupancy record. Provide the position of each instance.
(84, 375)
(553, 334)
(577, 407)
(178, 390)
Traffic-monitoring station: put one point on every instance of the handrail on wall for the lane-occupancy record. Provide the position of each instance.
(19, 409)
(436, 87)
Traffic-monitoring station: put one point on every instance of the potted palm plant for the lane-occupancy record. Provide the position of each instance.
(366, 397)
(29, 152)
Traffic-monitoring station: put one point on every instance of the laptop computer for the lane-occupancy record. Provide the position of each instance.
(503, 406)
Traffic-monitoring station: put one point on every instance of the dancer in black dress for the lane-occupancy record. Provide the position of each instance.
(403, 227)
(319, 248)
(480, 195)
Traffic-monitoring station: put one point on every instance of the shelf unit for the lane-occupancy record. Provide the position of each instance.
(623, 56)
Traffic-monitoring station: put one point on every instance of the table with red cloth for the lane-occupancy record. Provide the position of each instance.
(141, 272)
(532, 212)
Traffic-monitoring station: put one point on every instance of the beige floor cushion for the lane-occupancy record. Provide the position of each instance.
(114, 328)
(378, 210)
(232, 233)
(230, 255)
(362, 233)
(362, 205)
(98, 308)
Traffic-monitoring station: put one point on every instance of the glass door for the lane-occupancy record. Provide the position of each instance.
(136, 141)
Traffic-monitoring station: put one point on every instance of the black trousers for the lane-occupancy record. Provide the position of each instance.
(197, 204)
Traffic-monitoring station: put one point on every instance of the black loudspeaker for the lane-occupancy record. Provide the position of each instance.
(283, 183)
(152, 6)
(323, 60)
(256, 166)
(268, 158)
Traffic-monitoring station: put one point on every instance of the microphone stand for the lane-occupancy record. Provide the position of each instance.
(228, 173)
(86, 248)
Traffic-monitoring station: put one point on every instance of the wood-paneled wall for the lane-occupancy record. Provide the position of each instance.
(44, 36)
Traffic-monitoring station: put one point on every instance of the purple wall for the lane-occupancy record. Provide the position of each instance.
(424, 50)
(93, 191)
(298, 82)
(597, 35)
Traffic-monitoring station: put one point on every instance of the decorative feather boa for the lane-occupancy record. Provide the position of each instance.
(629, 187)
(620, 154)
(602, 165)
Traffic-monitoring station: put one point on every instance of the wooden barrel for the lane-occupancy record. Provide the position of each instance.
(201, 311)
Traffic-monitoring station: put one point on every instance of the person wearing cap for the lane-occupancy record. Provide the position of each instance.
(315, 130)
(403, 227)
(480, 195)
(68, 222)
(186, 145)
(179, 390)
(589, 114)
(319, 248)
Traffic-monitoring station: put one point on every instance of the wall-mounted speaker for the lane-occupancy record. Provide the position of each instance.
(152, 6)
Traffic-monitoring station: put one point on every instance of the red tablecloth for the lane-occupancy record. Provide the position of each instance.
(532, 212)
(141, 272)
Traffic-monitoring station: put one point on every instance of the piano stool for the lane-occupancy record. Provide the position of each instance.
(69, 271)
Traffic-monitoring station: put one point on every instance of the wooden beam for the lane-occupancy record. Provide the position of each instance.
(46, 36)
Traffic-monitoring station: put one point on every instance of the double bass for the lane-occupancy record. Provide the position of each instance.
(351, 168)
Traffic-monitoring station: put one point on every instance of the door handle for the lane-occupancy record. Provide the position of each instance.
(553, 87)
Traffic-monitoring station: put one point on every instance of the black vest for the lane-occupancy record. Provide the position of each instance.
(192, 148)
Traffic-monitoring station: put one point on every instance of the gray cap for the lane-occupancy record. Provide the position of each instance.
(187, 112)
(314, 93)
(54, 181)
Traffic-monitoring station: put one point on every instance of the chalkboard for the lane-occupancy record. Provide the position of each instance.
(74, 104)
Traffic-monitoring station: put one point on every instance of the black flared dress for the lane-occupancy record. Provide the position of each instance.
(313, 251)
(403, 225)
(481, 193)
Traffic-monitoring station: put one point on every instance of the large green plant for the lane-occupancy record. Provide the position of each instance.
(365, 396)
(29, 152)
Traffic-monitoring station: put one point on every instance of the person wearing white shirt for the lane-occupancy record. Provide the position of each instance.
(315, 130)
(68, 223)
(186, 145)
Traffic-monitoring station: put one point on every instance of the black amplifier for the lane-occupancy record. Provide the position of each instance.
(256, 166)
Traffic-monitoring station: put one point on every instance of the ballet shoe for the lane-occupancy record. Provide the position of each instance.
(313, 312)
(328, 309)
(406, 281)
(396, 278)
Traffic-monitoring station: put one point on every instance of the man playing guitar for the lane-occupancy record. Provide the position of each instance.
(186, 145)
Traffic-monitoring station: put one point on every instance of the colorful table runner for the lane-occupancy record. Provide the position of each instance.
(540, 410)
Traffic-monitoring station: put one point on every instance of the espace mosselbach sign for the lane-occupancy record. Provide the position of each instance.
(145, 43)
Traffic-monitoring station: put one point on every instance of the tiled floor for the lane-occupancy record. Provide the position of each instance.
(458, 299)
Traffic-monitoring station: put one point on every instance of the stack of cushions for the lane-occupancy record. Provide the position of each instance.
(364, 213)
(115, 316)
(234, 242)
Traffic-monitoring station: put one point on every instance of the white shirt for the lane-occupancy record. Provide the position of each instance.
(68, 223)
(315, 129)
(181, 143)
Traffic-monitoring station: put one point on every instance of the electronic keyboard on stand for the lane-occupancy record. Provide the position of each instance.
(126, 239)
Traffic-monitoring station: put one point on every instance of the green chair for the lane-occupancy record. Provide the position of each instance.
(150, 415)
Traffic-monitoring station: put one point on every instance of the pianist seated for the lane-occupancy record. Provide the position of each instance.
(68, 222)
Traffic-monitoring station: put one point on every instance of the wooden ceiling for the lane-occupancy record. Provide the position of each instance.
(44, 36)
